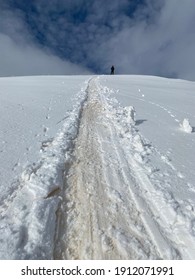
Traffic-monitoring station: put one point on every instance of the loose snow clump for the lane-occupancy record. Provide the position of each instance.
(185, 126)
(129, 113)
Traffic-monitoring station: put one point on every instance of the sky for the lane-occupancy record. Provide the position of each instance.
(146, 37)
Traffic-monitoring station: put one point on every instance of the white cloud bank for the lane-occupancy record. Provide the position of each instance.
(20, 55)
(19, 59)
(164, 46)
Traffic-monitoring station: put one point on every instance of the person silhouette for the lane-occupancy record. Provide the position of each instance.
(112, 70)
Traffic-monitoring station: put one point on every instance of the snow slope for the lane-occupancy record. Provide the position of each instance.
(32, 110)
(97, 168)
(37, 125)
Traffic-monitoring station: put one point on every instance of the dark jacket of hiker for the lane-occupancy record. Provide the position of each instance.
(112, 70)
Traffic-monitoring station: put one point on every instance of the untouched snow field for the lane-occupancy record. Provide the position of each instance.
(97, 168)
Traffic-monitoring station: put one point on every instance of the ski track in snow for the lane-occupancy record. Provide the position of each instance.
(103, 221)
(97, 192)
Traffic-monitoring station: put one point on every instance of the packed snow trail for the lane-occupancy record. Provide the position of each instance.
(102, 219)
(111, 207)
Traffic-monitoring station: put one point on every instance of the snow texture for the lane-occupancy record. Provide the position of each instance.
(96, 168)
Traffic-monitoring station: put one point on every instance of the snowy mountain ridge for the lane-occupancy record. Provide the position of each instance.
(110, 184)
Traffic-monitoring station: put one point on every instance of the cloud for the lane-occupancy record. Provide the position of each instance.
(162, 44)
(21, 55)
(30, 60)
(138, 37)
(72, 30)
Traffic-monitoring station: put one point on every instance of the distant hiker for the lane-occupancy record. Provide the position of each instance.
(112, 70)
